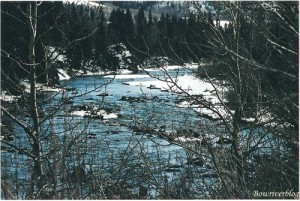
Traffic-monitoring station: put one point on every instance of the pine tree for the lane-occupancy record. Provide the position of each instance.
(150, 20)
(162, 25)
(141, 22)
(101, 42)
(141, 26)
(129, 30)
(14, 44)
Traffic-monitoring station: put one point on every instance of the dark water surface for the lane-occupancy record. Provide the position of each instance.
(109, 146)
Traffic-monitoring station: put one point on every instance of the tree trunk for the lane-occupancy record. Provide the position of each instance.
(238, 158)
(32, 26)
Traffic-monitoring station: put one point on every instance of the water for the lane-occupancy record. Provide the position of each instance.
(115, 134)
(110, 148)
(113, 149)
(140, 152)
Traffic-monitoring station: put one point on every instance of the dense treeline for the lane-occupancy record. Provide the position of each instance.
(86, 35)
(60, 25)
(14, 40)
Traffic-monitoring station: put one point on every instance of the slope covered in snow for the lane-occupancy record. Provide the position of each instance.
(84, 2)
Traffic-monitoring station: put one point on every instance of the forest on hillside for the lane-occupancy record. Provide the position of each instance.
(149, 100)
(175, 37)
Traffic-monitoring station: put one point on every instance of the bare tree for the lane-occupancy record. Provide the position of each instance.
(247, 146)
(34, 126)
(239, 146)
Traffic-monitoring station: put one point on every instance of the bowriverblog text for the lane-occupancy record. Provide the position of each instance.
(274, 194)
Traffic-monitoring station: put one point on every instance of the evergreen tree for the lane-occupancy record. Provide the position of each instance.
(117, 26)
(141, 27)
(152, 35)
(14, 44)
(150, 20)
(74, 53)
(162, 25)
(101, 41)
(141, 22)
(129, 31)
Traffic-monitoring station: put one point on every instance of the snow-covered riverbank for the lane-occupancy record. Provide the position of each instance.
(186, 84)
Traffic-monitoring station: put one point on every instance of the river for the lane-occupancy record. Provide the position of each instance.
(112, 146)
(126, 128)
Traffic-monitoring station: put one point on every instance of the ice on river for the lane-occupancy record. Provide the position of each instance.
(172, 67)
(188, 83)
(130, 76)
(102, 113)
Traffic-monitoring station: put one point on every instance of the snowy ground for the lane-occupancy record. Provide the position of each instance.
(223, 23)
(188, 83)
(7, 97)
(84, 2)
(54, 53)
(100, 72)
(191, 85)
(62, 74)
(40, 87)
(172, 67)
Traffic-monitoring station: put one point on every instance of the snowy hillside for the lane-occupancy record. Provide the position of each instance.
(84, 2)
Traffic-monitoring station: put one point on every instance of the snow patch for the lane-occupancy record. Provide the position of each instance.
(84, 2)
(79, 113)
(187, 83)
(52, 51)
(191, 65)
(222, 23)
(110, 116)
(100, 113)
(171, 67)
(8, 98)
(203, 8)
(193, 86)
(40, 87)
(187, 139)
(62, 74)
(124, 71)
(90, 73)
(26, 85)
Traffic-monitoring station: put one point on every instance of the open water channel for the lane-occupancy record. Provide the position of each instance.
(112, 146)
